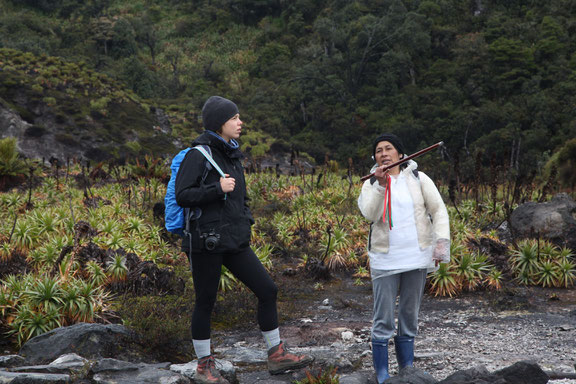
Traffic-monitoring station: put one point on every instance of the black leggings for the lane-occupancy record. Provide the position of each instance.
(244, 264)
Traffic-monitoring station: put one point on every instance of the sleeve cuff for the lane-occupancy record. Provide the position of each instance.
(219, 188)
(380, 189)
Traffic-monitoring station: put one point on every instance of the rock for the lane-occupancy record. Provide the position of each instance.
(88, 340)
(356, 378)
(411, 375)
(467, 375)
(189, 369)
(144, 373)
(34, 139)
(245, 355)
(104, 365)
(163, 120)
(345, 357)
(262, 378)
(504, 233)
(347, 336)
(69, 361)
(523, 372)
(33, 378)
(11, 361)
(66, 364)
(342, 363)
(554, 220)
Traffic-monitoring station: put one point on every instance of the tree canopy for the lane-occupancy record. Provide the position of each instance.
(325, 77)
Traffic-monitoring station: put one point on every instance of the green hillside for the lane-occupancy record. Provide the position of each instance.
(323, 77)
(77, 105)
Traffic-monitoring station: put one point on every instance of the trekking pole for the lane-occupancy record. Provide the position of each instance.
(405, 159)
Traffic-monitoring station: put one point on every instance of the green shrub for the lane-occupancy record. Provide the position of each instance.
(51, 101)
(328, 376)
(37, 88)
(100, 105)
(134, 146)
(10, 163)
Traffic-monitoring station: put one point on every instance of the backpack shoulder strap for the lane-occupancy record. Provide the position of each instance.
(205, 150)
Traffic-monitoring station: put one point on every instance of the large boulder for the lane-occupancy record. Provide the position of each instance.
(87, 340)
(522, 372)
(554, 221)
(34, 141)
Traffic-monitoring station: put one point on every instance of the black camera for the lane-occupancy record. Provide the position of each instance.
(211, 240)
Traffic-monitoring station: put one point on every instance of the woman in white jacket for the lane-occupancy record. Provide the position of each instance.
(409, 236)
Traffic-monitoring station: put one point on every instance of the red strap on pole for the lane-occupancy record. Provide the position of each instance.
(388, 202)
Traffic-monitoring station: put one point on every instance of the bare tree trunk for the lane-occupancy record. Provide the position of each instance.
(304, 114)
(517, 162)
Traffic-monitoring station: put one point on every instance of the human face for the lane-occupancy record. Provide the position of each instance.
(387, 154)
(232, 128)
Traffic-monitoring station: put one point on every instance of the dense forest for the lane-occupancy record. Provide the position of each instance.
(494, 79)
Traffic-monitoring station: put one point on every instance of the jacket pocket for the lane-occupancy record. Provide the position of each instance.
(236, 235)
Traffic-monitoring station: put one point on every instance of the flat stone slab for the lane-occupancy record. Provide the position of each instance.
(33, 378)
(143, 375)
(11, 361)
(65, 364)
(225, 368)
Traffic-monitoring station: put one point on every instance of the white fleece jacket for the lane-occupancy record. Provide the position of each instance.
(430, 214)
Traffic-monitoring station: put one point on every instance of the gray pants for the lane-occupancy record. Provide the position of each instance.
(409, 286)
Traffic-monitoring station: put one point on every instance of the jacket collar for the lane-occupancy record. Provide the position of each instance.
(232, 149)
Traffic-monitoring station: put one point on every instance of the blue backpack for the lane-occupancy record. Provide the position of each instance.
(176, 218)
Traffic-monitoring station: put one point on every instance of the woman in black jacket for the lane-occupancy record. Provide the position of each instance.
(221, 236)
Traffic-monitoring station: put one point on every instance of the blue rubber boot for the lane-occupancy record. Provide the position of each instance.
(404, 346)
(380, 359)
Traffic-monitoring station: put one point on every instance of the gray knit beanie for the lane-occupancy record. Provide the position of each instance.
(217, 111)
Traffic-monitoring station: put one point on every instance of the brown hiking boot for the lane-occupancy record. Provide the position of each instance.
(206, 373)
(280, 360)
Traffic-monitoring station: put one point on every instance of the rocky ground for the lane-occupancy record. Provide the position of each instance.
(493, 329)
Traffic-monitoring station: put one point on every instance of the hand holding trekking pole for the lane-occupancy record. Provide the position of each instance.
(403, 160)
(381, 175)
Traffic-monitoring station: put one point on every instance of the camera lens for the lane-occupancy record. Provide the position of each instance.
(211, 243)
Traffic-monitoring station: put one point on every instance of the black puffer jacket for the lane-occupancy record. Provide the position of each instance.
(229, 218)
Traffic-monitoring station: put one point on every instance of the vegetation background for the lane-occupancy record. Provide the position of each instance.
(318, 77)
